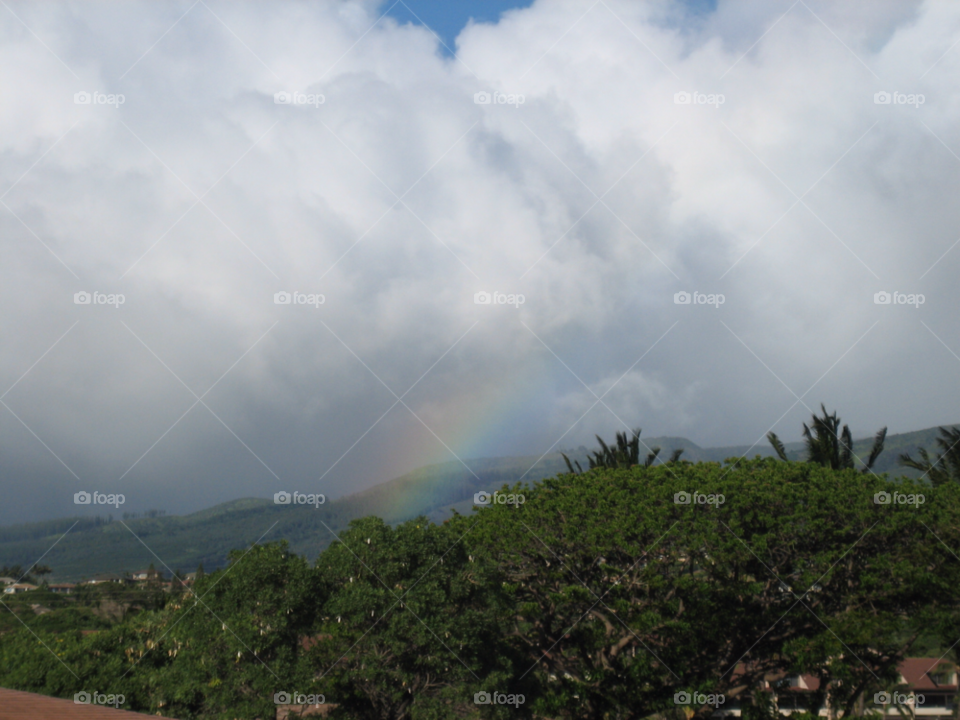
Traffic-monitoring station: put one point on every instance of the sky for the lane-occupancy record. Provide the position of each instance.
(487, 247)
(446, 18)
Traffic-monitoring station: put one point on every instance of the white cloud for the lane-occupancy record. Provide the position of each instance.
(398, 198)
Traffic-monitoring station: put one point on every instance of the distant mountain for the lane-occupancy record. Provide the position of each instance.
(894, 445)
(182, 542)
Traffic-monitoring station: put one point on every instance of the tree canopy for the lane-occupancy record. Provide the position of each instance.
(946, 468)
(600, 596)
(830, 446)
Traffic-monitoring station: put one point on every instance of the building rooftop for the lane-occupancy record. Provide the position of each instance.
(17, 705)
(929, 674)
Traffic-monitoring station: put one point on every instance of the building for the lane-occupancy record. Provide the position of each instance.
(18, 588)
(7, 580)
(144, 575)
(16, 705)
(932, 679)
(926, 689)
(62, 588)
(106, 578)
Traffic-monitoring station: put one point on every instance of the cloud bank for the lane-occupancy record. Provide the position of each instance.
(796, 159)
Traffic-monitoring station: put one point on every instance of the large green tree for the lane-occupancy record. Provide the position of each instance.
(630, 585)
(410, 629)
(600, 596)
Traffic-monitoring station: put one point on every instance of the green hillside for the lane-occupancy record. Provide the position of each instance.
(887, 462)
(182, 542)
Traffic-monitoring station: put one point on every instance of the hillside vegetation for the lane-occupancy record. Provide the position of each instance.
(183, 542)
(207, 537)
(594, 595)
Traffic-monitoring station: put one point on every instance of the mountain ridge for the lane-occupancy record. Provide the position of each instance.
(90, 545)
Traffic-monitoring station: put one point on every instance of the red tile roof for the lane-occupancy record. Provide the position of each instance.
(918, 671)
(17, 705)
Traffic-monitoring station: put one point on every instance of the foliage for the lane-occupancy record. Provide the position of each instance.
(830, 446)
(98, 546)
(225, 649)
(600, 596)
(946, 468)
(626, 454)
(411, 625)
(623, 596)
